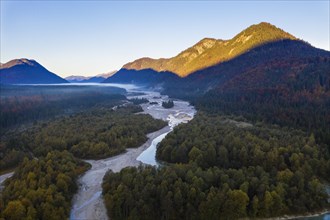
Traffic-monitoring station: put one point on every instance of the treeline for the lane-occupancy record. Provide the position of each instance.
(94, 134)
(189, 192)
(211, 140)
(42, 188)
(224, 169)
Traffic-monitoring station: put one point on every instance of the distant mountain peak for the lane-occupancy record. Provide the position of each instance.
(27, 71)
(106, 75)
(22, 61)
(90, 79)
(209, 51)
(263, 31)
(76, 77)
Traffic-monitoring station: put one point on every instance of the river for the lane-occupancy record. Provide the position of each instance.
(88, 202)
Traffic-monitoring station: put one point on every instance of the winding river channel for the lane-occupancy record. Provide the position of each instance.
(88, 202)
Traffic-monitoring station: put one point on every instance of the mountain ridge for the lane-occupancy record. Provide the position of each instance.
(209, 51)
(26, 71)
(21, 61)
(88, 79)
(142, 77)
(269, 57)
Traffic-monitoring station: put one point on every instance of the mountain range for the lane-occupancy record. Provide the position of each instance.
(263, 74)
(25, 71)
(90, 79)
(260, 57)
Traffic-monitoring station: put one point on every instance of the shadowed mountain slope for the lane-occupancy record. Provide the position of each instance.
(24, 71)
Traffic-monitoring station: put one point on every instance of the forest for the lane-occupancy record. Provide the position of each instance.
(29, 104)
(302, 100)
(312, 117)
(46, 154)
(98, 133)
(42, 188)
(223, 167)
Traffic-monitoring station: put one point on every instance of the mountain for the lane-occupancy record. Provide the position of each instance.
(76, 78)
(83, 79)
(270, 65)
(285, 83)
(142, 77)
(209, 51)
(281, 61)
(90, 79)
(107, 75)
(94, 79)
(25, 71)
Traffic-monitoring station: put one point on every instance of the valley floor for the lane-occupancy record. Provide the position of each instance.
(88, 202)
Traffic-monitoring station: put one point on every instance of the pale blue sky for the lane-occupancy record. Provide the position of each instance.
(92, 37)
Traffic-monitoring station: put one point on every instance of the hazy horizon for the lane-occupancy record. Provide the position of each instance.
(88, 38)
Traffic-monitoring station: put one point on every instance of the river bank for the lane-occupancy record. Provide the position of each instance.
(3, 177)
(88, 202)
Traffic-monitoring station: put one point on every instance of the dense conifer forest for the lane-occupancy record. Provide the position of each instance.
(42, 188)
(224, 168)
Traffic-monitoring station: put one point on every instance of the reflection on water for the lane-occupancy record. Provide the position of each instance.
(321, 217)
(149, 155)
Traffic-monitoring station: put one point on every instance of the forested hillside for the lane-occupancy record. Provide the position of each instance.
(293, 94)
(283, 64)
(285, 83)
(142, 77)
